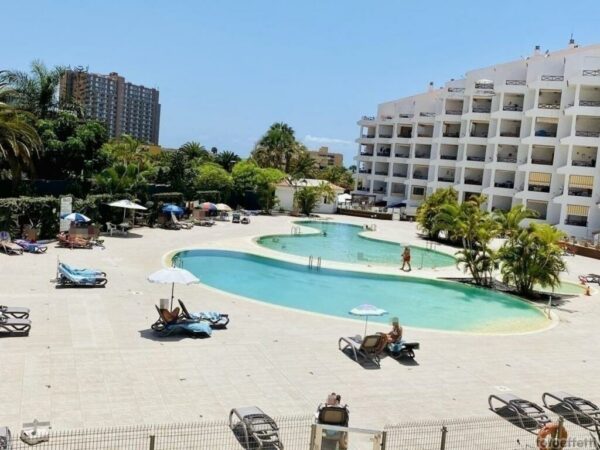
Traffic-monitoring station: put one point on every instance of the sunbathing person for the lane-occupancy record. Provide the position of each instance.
(170, 316)
(393, 336)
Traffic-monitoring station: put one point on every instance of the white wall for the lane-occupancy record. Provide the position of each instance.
(285, 195)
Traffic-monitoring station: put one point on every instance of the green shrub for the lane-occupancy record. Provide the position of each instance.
(39, 212)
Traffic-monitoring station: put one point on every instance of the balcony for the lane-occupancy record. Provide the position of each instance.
(579, 192)
(591, 73)
(552, 78)
(551, 133)
(366, 171)
(385, 136)
(422, 155)
(446, 179)
(456, 89)
(400, 174)
(419, 176)
(402, 155)
(506, 159)
(583, 163)
(481, 109)
(592, 103)
(368, 118)
(406, 116)
(548, 105)
(584, 133)
(449, 157)
(538, 188)
(454, 112)
(475, 158)
(474, 181)
(512, 108)
(384, 153)
(366, 154)
(484, 85)
(427, 114)
(515, 82)
(368, 136)
(576, 221)
(505, 184)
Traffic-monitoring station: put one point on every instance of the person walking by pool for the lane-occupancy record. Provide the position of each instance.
(406, 259)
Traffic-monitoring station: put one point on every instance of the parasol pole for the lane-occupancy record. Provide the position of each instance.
(366, 322)
(172, 294)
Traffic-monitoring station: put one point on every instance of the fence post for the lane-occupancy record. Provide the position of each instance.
(313, 430)
(152, 442)
(444, 433)
(383, 439)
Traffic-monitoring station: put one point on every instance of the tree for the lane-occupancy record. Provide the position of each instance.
(532, 256)
(308, 198)
(510, 221)
(212, 177)
(277, 147)
(337, 175)
(19, 142)
(247, 176)
(227, 160)
(477, 228)
(195, 150)
(303, 165)
(431, 207)
(119, 179)
(35, 92)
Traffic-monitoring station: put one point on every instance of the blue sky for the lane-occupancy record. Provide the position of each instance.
(227, 69)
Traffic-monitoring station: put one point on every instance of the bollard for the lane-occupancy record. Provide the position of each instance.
(444, 433)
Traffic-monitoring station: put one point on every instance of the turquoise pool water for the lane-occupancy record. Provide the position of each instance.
(417, 302)
(342, 242)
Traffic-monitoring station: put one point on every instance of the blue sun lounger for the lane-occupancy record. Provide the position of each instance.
(69, 277)
(180, 326)
(31, 247)
(216, 320)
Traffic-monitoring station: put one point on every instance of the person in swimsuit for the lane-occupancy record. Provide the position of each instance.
(406, 258)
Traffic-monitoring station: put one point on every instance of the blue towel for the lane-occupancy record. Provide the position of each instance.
(396, 347)
(196, 328)
(75, 278)
(82, 272)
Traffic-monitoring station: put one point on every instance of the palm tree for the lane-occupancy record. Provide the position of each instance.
(35, 92)
(276, 148)
(304, 165)
(532, 256)
(120, 178)
(195, 150)
(429, 209)
(509, 221)
(306, 199)
(227, 160)
(19, 140)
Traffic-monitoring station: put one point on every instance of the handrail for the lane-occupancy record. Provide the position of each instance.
(515, 82)
(552, 78)
(591, 73)
(456, 89)
(310, 262)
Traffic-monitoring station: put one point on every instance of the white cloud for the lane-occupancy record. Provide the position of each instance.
(326, 140)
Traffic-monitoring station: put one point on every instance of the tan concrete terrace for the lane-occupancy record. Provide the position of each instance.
(91, 359)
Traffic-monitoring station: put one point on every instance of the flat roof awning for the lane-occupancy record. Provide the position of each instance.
(578, 210)
(540, 178)
(581, 181)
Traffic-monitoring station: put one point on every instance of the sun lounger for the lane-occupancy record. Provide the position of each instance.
(9, 325)
(5, 438)
(69, 277)
(181, 224)
(522, 413)
(368, 348)
(31, 247)
(402, 348)
(245, 220)
(575, 409)
(590, 278)
(15, 312)
(335, 415)
(7, 246)
(180, 326)
(254, 429)
(216, 320)
(73, 241)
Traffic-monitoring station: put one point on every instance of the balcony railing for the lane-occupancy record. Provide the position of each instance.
(475, 158)
(386, 154)
(508, 184)
(456, 89)
(549, 105)
(506, 159)
(419, 176)
(481, 109)
(423, 155)
(381, 172)
(538, 188)
(452, 135)
(364, 171)
(402, 155)
(515, 82)
(362, 189)
(478, 135)
(427, 114)
(454, 112)
(447, 179)
(512, 108)
(484, 85)
(583, 163)
(449, 157)
(406, 116)
(405, 135)
(424, 135)
(385, 136)
(591, 73)
(510, 133)
(369, 118)
(400, 175)
(368, 136)
(583, 133)
(553, 78)
(589, 103)
(577, 222)
(542, 162)
(366, 154)
(579, 192)
(473, 181)
(545, 133)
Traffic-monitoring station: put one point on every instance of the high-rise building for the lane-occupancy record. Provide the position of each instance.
(324, 158)
(524, 132)
(124, 107)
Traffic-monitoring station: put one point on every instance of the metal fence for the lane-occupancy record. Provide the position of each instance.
(298, 432)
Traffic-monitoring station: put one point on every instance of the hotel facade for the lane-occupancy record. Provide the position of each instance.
(525, 132)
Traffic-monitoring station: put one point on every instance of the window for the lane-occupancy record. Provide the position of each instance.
(418, 190)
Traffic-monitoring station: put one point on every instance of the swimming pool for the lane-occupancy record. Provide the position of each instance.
(343, 242)
(417, 302)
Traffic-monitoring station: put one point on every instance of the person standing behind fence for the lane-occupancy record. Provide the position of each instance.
(406, 258)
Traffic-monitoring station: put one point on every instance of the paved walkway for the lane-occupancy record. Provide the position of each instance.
(91, 360)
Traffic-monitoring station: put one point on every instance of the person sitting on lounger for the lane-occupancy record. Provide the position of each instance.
(393, 336)
(170, 316)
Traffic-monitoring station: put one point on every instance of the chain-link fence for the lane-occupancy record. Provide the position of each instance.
(297, 433)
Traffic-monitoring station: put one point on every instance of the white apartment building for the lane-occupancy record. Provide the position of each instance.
(525, 132)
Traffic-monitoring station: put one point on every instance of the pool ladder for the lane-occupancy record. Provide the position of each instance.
(296, 230)
(314, 263)
(429, 245)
